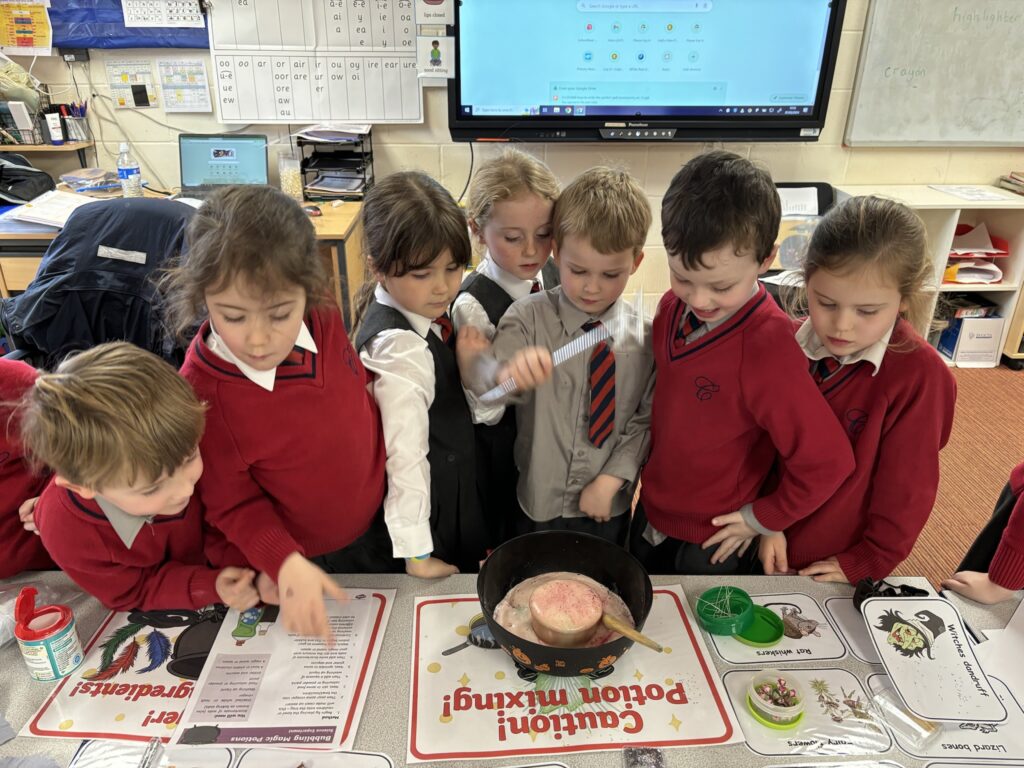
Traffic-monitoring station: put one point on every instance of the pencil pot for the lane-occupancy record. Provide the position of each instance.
(289, 172)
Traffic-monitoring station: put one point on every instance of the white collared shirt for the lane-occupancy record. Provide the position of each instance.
(468, 311)
(815, 349)
(264, 379)
(403, 386)
(126, 526)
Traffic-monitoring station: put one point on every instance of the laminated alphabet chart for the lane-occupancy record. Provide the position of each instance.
(283, 61)
(265, 686)
(837, 717)
(162, 13)
(468, 701)
(925, 650)
(807, 634)
(973, 742)
(138, 673)
(849, 622)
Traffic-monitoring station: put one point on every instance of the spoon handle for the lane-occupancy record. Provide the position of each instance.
(622, 628)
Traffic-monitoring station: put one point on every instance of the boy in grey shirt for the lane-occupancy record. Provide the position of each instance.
(583, 429)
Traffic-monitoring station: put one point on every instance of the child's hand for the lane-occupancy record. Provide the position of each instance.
(302, 587)
(825, 570)
(977, 587)
(431, 568)
(529, 367)
(470, 343)
(596, 498)
(235, 588)
(734, 537)
(771, 551)
(26, 513)
(267, 589)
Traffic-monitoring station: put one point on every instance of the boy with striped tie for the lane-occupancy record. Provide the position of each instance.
(583, 434)
(732, 393)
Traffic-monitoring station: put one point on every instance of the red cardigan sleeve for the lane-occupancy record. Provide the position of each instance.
(906, 475)
(786, 403)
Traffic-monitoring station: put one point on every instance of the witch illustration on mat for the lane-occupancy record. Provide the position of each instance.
(911, 637)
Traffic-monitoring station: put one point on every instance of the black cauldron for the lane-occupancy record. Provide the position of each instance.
(535, 553)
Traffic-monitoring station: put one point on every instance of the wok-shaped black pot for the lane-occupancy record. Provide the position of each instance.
(535, 553)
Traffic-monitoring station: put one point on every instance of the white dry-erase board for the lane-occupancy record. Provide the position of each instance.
(940, 73)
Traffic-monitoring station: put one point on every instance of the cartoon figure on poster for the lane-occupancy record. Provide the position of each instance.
(911, 637)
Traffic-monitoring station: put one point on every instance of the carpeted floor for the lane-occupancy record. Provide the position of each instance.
(987, 442)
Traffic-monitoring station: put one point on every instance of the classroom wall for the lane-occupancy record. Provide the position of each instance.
(428, 147)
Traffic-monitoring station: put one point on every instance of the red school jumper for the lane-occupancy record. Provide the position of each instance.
(1007, 567)
(896, 421)
(299, 469)
(164, 569)
(20, 550)
(724, 407)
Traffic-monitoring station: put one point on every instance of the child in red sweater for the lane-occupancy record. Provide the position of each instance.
(20, 549)
(295, 459)
(731, 391)
(120, 430)
(993, 568)
(866, 274)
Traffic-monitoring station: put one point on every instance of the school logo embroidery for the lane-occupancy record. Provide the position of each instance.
(706, 388)
(4, 456)
(914, 637)
(350, 360)
(856, 420)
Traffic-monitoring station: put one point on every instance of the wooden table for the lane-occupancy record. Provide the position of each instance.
(339, 232)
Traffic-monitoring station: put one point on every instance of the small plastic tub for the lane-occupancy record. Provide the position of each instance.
(725, 610)
(775, 699)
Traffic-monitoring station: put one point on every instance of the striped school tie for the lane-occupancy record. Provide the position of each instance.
(602, 390)
(445, 323)
(823, 369)
(535, 288)
(689, 324)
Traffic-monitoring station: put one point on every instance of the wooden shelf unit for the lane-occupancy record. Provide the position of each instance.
(941, 213)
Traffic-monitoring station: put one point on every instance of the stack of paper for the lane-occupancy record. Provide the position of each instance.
(51, 208)
(970, 257)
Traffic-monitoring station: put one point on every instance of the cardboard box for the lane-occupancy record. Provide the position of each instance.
(972, 342)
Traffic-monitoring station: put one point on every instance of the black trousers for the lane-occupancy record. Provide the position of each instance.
(370, 553)
(979, 556)
(614, 530)
(683, 557)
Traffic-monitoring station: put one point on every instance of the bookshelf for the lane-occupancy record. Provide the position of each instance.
(941, 213)
(67, 146)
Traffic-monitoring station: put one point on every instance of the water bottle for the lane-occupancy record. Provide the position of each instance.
(129, 173)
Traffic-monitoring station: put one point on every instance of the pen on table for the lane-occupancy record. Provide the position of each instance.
(154, 751)
(99, 188)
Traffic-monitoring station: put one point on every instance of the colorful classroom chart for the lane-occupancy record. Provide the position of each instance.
(808, 635)
(138, 673)
(468, 702)
(284, 61)
(265, 686)
(837, 718)
(183, 82)
(926, 652)
(25, 29)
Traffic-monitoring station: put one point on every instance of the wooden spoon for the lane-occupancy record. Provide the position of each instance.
(566, 613)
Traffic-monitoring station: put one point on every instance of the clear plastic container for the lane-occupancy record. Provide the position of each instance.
(783, 685)
(914, 732)
(129, 173)
(290, 173)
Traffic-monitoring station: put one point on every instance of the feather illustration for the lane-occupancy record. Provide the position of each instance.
(121, 664)
(115, 641)
(158, 648)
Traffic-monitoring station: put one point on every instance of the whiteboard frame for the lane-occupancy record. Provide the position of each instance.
(852, 114)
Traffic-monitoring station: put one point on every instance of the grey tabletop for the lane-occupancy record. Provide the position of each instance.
(383, 727)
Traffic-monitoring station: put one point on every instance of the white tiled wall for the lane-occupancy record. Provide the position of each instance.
(428, 147)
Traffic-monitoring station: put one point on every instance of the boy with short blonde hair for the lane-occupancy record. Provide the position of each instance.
(120, 430)
(582, 436)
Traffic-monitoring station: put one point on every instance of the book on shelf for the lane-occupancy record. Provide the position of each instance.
(957, 305)
(1017, 175)
(1012, 184)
